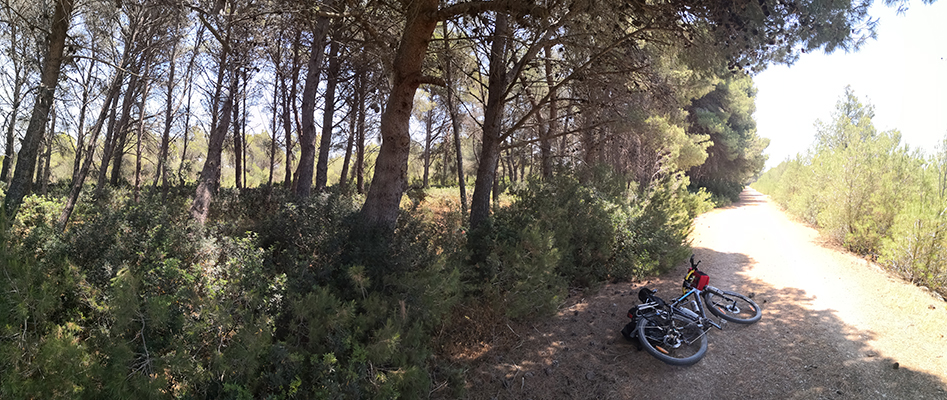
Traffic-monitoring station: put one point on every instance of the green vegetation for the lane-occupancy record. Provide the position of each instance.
(293, 300)
(866, 191)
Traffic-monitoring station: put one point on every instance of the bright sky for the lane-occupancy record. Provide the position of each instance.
(903, 74)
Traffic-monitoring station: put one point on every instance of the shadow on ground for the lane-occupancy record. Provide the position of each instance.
(793, 352)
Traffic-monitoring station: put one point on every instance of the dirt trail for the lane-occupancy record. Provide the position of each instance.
(834, 327)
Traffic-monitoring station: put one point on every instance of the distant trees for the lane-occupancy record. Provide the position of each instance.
(868, 192)
(735, 151)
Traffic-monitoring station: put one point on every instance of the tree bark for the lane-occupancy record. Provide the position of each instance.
(52, 67)
(237, 142)
(360, 137)
(307, 137)
(162, 169)
(490, 153)
(391, 168)
(46, 171)
(347, 159)
(209, 181)
(325, 143)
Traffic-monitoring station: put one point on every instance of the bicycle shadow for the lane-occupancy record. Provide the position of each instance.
(794, 351)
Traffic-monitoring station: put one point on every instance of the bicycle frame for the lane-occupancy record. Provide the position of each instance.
(699, 315)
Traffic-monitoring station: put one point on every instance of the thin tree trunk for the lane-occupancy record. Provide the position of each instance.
(10, 136)
(52, 67)
(18, 81)
(307, 137)
(551, 128)
(118, 133)
(237, 141)
(391, 168)
(188, 75)
(290, 103)
(110, 97)
(360, 137)
(162, 169)
(353, 117)
(80, 132)
(141, 132)
(428, 132)
(454, 121)
(325, 143)
(288, 134)
(243, 127)
(121, 138)
(277, 78)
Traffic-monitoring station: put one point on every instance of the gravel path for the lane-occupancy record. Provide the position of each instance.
(834, 327)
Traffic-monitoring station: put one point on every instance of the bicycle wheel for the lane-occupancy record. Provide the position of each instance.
(733, 307)
(676, 342)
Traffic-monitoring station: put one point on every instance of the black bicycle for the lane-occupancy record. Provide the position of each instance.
(676, 332)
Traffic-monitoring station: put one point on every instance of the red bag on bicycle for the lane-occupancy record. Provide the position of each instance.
(696, 279)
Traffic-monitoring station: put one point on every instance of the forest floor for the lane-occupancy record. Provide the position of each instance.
(834, 326)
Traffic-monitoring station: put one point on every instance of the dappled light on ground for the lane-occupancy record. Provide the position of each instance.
(832, 327)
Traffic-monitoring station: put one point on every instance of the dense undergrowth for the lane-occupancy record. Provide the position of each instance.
(275, 299)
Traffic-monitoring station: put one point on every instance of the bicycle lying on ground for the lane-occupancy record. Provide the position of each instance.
(676, 332)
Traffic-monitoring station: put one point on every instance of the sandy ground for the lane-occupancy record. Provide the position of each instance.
(834, 327)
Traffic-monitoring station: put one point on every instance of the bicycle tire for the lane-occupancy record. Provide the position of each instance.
(683, 353)
(732, 306)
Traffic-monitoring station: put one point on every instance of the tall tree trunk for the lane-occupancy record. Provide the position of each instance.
(347, 159)
(10, 135)
(107, 146)
(490, 153)
(391, 168)
(188, 75)
(288, 133)
(243, 127)
(237, 141)
(273, 127)
(19, 79)
(80, 132)
(325, 143)
(115, 144)
(141, 132)
(454, 121)
(121, 138)
(307, 137)
(162, 168)
(360, 137)
(551, 127)
(90, 151)
(52, 67)
(294, 116)
(209, 181)
(428, 133)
